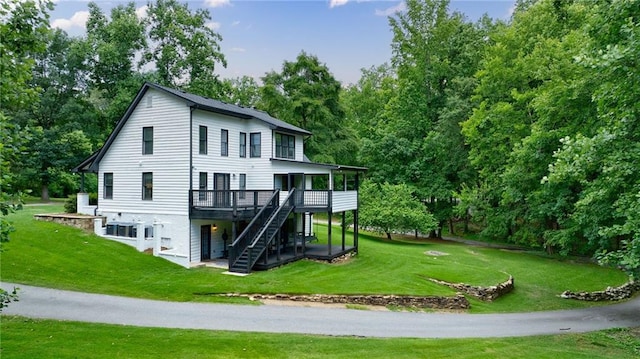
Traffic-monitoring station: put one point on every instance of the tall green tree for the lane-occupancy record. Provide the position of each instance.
(183, 47)
(306, 94)
(435, 55)
(23, 25)
(596, 177)
(112, 45)
(532, 93)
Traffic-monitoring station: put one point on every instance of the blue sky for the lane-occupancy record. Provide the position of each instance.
(258, 35)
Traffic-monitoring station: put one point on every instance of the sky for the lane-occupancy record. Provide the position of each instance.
(259, 35)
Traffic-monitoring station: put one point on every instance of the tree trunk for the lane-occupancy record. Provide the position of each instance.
(45, 193)
(388, 235)
(451, 229)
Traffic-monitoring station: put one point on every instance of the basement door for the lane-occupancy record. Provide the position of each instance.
(205, 242)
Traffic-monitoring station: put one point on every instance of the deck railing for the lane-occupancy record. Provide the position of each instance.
(246, 237)
(232, 200)
(313, 198)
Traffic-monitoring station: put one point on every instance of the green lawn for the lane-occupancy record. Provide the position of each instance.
(52, 255)
(30, 338)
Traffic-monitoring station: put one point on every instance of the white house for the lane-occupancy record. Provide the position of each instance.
(196, 179)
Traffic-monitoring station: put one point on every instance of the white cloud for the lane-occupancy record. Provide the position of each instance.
(216, 3)
(392, 10)
(235, 23)
(336, 3)
(238, 49)
(142, 11)
(213, 25)
(79, 19)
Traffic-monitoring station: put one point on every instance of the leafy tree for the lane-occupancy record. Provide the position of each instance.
(111, 46)
(22, 27)
(242, 91)
(388, 208)
(598, 175)
(435, 55)
(365, 103)
(307, 95)
(183, 48)
(532, 93)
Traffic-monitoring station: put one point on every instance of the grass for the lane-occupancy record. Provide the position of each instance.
(57, 256)
(34, 338)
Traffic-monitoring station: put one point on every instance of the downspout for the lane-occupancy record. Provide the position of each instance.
(191, 109)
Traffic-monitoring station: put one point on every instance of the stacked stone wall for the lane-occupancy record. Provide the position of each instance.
(83, 222)
(457, 302)
(483, 293)
(610, 294)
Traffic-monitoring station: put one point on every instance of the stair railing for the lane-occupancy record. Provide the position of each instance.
(240, 244)
(264, 239)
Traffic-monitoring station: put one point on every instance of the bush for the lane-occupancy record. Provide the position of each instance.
(71, 205)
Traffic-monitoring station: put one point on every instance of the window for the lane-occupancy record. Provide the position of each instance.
(147, 140)
(285, 146)
(243, 144)
(224, 143)
(203, 140)
(255, 144)
(243, 186)
(147, 186)
(108, 186)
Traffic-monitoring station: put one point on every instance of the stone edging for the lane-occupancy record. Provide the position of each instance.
(610, 294)
(483, 293)
(434, 302)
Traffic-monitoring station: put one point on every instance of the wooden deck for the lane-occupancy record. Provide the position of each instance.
(312, 251)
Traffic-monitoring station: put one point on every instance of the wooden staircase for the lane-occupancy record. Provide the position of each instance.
(252, 243)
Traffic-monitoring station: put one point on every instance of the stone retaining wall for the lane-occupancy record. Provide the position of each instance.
(434, 302)
(483, 293)
(81, 221)
(610, 294)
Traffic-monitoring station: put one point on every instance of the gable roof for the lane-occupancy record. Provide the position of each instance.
(193, 101)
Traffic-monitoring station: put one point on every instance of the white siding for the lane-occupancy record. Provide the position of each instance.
(258, 170)
(344, 200)
(169, 162)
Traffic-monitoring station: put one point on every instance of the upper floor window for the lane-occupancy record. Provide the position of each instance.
(147, 186)
(254, 143)
(108, 186)
(285, 146)
(147, 140)
(203, 140)
(224, 143)
(243, 144)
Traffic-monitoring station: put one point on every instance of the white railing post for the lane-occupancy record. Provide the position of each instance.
(157, 238)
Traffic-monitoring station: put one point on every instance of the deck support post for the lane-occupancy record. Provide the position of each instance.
(304, 233)
(329, 231)
(344, 228)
